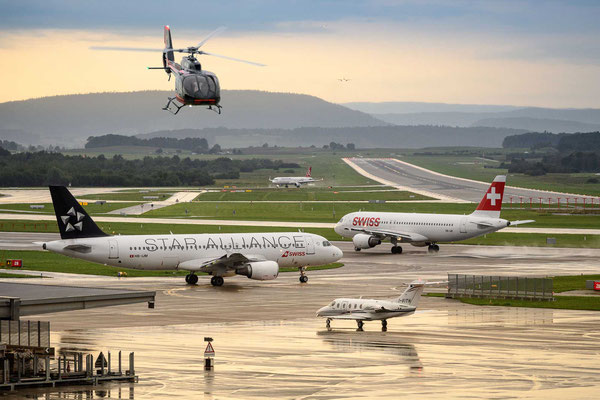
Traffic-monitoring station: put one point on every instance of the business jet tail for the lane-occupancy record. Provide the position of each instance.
(412, 294)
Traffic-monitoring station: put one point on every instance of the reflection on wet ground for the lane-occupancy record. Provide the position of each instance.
(269, 344)
(478, 353)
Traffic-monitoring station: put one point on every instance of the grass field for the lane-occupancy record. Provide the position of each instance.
(11, 275)
(574, 282)
(324, 212)
(326, 166)
(129, 196)
(49, 208)
(560, 302)
(51, 262)
(560, 284)
(311, 194)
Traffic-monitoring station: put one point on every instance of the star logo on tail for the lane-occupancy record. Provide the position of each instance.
(73, 220)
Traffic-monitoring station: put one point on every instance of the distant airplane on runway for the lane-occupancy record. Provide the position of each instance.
(254, 255)
(374, 310)
(294, 180)
(369, 229)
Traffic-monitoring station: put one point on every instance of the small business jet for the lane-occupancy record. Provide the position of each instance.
(294, 180)
(369, 229)
(374, 310)
(254, 255)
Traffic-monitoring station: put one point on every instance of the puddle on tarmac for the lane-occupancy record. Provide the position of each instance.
(484, 354)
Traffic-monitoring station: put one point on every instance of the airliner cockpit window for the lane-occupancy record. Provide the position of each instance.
(341, 220)
(326, 243)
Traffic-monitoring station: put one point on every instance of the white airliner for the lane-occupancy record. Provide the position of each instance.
(294, 180)
(374, 310)
(368, 229)
(255, 255)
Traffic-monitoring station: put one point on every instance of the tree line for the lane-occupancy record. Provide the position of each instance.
(197, 145)
(576, 152)
(563, 142)
(45, 168)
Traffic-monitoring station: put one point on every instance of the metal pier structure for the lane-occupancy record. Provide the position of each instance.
(27, 360)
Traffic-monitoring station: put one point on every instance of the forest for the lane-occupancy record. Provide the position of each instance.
(45, 168)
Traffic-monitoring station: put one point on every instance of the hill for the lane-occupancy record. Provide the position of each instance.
(362, 137)
(69, 120)
(465, 115)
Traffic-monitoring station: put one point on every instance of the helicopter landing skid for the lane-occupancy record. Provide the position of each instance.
(216, 109)
(176, 105)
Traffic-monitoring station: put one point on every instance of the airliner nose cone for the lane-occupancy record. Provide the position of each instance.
(337, 254)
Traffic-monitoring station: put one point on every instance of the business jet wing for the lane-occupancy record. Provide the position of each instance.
(221, 264)
(383, 233)
(352, 316)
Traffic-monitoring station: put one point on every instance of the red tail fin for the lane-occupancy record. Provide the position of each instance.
(309, 172)
(491, 204)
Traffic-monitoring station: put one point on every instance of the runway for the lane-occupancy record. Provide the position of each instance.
(269, 343)
(413, 178)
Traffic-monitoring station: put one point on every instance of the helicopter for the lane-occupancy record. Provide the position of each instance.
(194, 86)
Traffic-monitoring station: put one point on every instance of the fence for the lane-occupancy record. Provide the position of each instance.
(515, 287)
(25, 333)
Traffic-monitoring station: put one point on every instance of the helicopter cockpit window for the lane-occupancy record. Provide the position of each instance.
(195, 86)
(211, 84)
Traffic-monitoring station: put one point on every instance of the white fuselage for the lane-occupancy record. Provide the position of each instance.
(365, 309)
(431, 227)
(292, 180)
(289, 249)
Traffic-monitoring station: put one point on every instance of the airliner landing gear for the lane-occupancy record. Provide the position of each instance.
(328, 324)
(384, 325)
(303, 277)
(357, 249)
(217, 281)
(433, 248)
(396, 249)
(191, 279)
(359, 323)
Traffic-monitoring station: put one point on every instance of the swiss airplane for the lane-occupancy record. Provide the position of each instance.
(374, 310)
(294, 180)
(369, 229)
(254, 255)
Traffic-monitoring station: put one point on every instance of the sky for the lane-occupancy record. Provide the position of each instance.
(529, 53)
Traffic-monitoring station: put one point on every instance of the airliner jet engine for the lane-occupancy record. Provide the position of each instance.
(364, 241)
(259, 270)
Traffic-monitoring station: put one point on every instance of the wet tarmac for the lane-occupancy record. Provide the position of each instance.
(269, 344)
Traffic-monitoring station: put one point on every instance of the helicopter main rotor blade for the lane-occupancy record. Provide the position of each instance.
(210, 35)
(109, 48)
(233, 59)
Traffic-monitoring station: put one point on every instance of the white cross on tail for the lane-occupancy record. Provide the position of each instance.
(493, 196)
